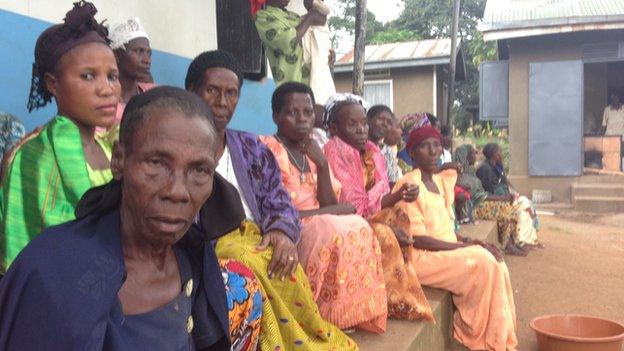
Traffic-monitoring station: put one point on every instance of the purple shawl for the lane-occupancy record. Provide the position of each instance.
(261, 184)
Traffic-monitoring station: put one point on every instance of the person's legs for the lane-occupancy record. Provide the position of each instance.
(342, 260)
(290, 317)
(485, 318)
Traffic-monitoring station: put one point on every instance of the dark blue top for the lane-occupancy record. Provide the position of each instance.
(61, 291)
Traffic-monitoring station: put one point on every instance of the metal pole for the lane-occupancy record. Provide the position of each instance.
(360, 47)
(451, 77)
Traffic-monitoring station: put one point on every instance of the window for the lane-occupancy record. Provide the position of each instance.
(379, 92)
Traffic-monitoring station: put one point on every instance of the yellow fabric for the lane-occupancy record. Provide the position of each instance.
(438, 207)
(290, 317)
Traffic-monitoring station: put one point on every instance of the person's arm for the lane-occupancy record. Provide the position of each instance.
(605, 120)
(312, 18)
(488, 178)
(324, 187)
(428, 243)
(501, 198)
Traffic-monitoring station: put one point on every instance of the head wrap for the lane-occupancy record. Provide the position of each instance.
(79, 27)
(336, 101)
(211, 59)
(460, 155)
(121, 34)
(419, 135)
(256, 5)
(413, 121)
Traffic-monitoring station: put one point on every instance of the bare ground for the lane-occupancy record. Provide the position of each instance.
(581, 270)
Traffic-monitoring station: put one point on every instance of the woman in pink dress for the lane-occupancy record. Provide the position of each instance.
(337, 248)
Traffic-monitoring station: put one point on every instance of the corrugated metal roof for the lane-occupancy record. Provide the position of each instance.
(407, 51)
(501, 14)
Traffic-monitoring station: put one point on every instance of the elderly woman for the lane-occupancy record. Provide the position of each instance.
(337, 248)
(491, 173)
(45, 175)
(281, 32)
(472, 271)
(133, 272)
(360, 167)
(266, 240)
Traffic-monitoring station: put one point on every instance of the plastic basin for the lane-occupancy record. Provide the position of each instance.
(577, 333)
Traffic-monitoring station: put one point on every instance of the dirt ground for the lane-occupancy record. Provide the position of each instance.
(581, 270)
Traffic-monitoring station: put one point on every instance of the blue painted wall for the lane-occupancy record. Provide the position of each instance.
(18, 35)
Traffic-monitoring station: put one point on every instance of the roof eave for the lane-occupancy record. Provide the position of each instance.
(369, 66)
(516, 29)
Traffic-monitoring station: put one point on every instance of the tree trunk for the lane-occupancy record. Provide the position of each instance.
(453, 64)
(360, 47)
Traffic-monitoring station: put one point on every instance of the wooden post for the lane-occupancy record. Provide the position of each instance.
(453, 64)
(360, 47)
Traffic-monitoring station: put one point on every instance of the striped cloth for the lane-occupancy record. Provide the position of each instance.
(43, 179)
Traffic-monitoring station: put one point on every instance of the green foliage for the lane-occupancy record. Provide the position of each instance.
(394, 36)
(427, 19)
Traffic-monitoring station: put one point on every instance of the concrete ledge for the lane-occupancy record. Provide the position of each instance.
(420, 336)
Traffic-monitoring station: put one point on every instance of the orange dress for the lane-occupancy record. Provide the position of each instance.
(340, 254)
(486, 317)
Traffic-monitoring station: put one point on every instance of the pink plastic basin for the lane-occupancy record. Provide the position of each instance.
(577, 333)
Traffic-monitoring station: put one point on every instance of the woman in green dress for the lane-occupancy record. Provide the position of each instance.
(281, 31)
(48, 172)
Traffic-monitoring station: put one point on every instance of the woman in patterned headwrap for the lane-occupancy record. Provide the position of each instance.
(45, 175)
(281, 32)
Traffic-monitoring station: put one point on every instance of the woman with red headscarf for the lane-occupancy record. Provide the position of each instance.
(472, 271)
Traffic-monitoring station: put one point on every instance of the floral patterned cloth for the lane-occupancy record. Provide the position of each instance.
(290, 317)
(244, 303)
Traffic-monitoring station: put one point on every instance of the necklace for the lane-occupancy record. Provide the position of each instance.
(301, 167)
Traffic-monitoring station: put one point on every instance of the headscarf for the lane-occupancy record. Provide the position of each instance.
(408, 123)
(256, 5)
(417, 136)
(336, 101)
(413, 121)
(79, 27)
(123, 33)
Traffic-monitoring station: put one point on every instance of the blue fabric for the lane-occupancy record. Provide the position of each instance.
(61, 291)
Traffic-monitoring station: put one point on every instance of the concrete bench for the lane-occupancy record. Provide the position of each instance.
(419, 336)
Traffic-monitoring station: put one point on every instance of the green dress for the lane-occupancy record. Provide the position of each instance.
(42, 181)
(277, 30)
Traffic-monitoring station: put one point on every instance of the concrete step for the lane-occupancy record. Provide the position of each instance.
(420, 336)
(598, 189)
(602, 179)
(485, 231)
(415, 336)
(599, 204)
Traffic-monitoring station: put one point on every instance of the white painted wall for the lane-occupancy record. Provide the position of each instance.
(185, 28)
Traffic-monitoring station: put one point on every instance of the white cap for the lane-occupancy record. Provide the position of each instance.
(122, 33)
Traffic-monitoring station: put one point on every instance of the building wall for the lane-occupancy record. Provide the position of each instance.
(522, 52)
(177, 34)
(412, 88)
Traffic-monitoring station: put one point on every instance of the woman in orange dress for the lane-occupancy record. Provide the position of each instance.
(472, 271)
(337, 248)
(361, 169)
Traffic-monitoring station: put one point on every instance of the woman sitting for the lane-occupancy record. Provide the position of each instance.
(133, 272)
(266, 240)
(361, 169)
(491, 173)
(338, 249)
(47, 173)
(472, 271)
(479, 204)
